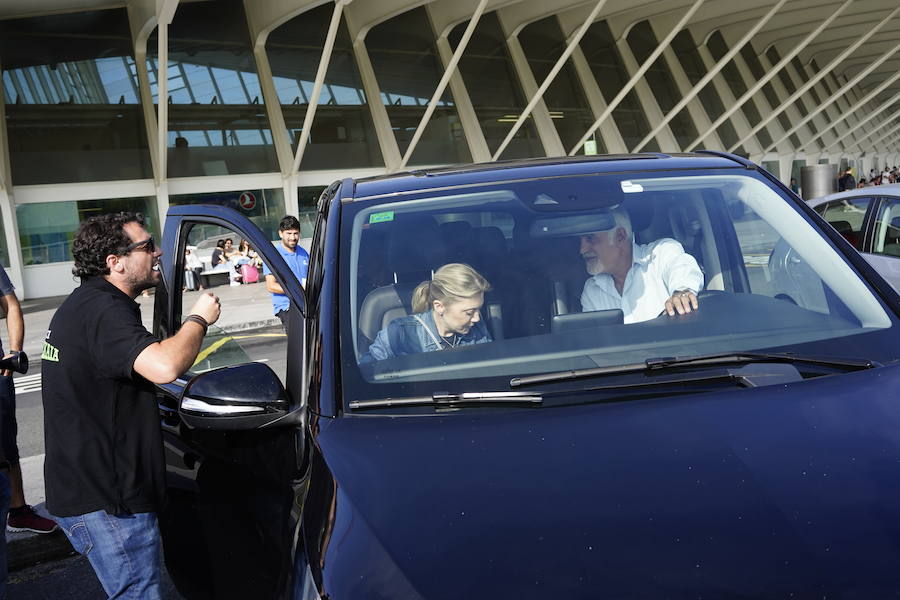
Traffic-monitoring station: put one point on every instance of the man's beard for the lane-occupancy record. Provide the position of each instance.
(139, 284)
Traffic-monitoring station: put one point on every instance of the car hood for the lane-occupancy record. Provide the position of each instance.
(768, 491)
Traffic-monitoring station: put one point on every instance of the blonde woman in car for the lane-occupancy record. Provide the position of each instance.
(446, 314)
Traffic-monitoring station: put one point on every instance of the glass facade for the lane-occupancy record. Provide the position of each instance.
(643, 42)
(46, 229)
(408, 69)
(342, 134)
(266, 207)
(217, 119)
(599, 47)
(543, 43)
(494, 88)
(73, 112)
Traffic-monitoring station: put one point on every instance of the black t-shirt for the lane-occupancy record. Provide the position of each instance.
(101, 422)
(216, 257)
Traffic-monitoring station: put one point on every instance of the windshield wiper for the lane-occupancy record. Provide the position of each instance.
(662, 363)
(447, 400)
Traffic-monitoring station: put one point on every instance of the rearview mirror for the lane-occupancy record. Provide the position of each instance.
(246, 396)
(572, 225)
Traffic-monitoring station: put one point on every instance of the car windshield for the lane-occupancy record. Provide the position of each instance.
(532, 281)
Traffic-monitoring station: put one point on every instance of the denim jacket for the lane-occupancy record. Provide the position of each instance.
(418, 333)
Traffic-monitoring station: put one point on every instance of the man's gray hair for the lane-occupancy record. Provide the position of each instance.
(622, 219)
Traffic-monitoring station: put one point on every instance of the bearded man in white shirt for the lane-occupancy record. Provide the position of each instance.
(641, 279)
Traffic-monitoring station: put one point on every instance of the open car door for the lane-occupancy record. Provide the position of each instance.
(233, 424)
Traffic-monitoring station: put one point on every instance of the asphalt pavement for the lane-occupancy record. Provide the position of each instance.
(244, 307)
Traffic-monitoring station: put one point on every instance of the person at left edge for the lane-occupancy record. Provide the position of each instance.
(104, 468)
(22, 517)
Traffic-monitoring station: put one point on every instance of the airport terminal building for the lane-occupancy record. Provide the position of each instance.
(110, 105)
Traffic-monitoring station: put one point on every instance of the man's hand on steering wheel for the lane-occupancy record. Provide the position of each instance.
(681, 302)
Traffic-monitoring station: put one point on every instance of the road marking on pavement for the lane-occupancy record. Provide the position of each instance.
(27, 383)
(219, 343)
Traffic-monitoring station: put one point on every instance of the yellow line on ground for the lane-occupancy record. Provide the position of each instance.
(204, 354)
(243, 337)
(210, 349)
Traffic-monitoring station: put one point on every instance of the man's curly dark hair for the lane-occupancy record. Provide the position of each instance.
(97, 238)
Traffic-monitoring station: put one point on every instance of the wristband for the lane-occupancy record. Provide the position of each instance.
(199, 321)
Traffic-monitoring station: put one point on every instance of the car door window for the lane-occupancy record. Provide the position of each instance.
(847, 217)
(247, 330)
(887, 228)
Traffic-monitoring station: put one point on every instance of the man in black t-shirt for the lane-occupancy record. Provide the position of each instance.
(104, 468)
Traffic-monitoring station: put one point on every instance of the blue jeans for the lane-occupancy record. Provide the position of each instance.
(123, 549)
(4, 510)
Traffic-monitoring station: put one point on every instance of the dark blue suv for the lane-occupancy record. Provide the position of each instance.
(539, 442)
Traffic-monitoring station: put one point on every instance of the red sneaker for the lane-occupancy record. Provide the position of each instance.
(25, 519)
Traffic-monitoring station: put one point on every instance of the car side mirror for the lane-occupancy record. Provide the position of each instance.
(246, 396)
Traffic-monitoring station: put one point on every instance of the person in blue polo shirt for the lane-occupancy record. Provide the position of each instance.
(295, 257)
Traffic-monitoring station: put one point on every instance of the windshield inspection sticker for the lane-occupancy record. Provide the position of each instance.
(631, 188)
(382, 217)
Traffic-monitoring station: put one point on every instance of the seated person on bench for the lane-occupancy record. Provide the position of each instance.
(447, 314)
(641, 279)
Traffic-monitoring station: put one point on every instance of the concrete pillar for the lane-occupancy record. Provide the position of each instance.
(464, 109)
(380, 120)
(540, 114)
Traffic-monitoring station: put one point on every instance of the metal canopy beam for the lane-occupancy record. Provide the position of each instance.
(445, 79)
(852, 110)
(819, 76)
(883, 107)
(550, 77)
(759, 84)
(657, 52)
(888, 133)
(834, 97)
(324, 60)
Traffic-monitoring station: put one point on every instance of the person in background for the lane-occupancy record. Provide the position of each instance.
(229, 249)
(105, 472)
(192, 269)
(218, 257)
(794, 187)
(847, 181)
(297, 260)
(22, 517)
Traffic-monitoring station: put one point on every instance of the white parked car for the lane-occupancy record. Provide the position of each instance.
(869, 218)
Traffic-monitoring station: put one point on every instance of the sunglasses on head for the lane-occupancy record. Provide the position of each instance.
(149, 244)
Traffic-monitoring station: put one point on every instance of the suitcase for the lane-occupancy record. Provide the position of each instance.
(249, 273)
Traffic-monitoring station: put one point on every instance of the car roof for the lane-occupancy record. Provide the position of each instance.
(429, 178)
(890, 189)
